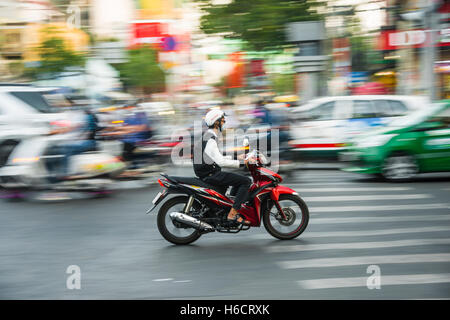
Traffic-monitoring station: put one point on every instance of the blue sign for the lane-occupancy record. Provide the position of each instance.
(169, 43)
(358, 77)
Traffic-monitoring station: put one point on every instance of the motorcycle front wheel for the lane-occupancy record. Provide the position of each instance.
(295, 221)
(174, 231)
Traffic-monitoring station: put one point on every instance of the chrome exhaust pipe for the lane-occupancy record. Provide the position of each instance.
(190, 221)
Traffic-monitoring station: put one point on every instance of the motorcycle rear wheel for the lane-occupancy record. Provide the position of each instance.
(169, 230)
(286, 229)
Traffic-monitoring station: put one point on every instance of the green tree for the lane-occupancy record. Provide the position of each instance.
(55, 57)
(283, 83)
(142, 71)
(260, 23)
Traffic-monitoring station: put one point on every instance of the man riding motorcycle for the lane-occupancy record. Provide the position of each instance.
(83, 141)
(209, 168)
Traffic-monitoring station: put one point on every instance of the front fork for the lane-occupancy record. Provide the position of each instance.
(274, 195)
(280, 210)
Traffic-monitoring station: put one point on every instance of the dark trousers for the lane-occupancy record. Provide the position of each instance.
(127, 151)
(241, 185)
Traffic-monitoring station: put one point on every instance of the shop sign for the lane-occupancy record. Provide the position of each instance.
(153, 33)
(392, 40)
(358, 77)
(407, 38)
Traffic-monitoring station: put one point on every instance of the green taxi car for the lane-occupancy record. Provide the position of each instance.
(417, 143)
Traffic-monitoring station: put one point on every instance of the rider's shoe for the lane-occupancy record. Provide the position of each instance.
(238, 219)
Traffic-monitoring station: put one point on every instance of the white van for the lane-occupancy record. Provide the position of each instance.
(321, 127)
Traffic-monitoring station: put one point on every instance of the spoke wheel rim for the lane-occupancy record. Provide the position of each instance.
(294, 215)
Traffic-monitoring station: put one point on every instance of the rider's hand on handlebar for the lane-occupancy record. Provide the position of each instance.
(250, 160)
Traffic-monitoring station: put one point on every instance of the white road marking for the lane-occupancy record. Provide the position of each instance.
(380, 219)
(385, 280)
(359, 233)
(344, 189)
(321, 183)
(313, 209)
(164, 279)
(363, 260)
(368, 197)
(356, 245)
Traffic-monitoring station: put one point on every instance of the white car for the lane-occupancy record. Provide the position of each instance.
(321, 127)
(25, 112)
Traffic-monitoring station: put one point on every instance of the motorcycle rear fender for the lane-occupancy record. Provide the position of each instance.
(278, 190)
(172, 189)
(164, 194)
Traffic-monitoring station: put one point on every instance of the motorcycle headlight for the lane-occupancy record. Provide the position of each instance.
(263, 159)
(375, 141)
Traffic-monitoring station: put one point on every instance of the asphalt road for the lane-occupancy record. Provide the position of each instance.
(359, 229)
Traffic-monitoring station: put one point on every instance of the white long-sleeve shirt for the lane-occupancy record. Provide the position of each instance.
(212, 151)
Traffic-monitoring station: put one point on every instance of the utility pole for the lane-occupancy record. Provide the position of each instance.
(429, 50)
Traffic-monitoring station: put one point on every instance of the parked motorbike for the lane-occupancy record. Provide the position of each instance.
(203, 208)
(27, 169)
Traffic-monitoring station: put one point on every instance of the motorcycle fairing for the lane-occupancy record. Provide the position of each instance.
(278, 190)
(274, 194)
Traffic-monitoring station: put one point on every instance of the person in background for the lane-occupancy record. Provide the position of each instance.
(261, 113)
(135, 129)
(83, 141)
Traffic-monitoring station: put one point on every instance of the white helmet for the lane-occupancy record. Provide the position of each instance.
(212, 116)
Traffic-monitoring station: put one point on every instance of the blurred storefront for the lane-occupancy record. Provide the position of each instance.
(75, 39)
(442, 69)
(158, 9)
(22, 25)
(415, 52)
(23, 39)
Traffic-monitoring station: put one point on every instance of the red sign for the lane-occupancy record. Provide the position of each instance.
(418, 38)
(236, 77)
(154, 34)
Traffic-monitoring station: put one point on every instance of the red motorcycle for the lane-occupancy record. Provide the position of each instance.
(202, 208)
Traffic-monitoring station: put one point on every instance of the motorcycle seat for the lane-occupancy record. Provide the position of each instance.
(197, 182)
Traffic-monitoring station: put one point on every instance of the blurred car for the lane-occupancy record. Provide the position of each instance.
(414, 144)
(321, 127)
(24, 112)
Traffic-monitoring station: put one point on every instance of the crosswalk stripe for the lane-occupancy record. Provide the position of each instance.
(313, 209)
(359, 233)
(343, 189)
(356, 245)
(385, 280)
(380, 219)
(368, 197)
(306, 184)
(362, 260)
